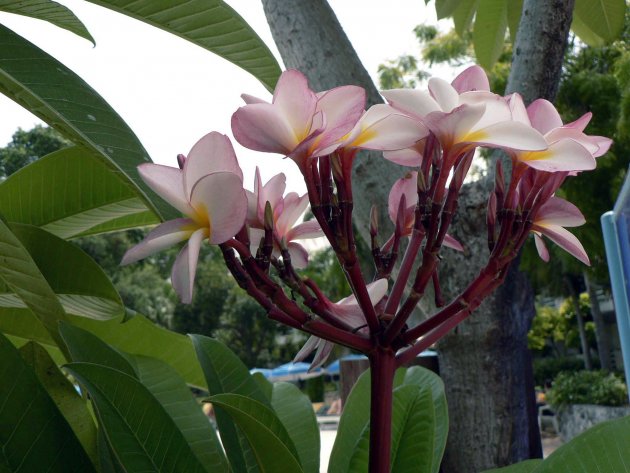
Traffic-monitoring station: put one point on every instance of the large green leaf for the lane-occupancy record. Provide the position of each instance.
(603, 448)
(22, 276)
(54, 93)
(137, 336)
(163, 382)
(445, 8)
(140, 432)
(211, 24)
(65, 396)
(34, 433)
(413, 418)
(605, 18)
(489, 32)
(463, 15)
(50, 11)
(295, 411)
(422, 377)
(514, 11)
(354, 420)
(80, 284)
(585, 33)
(528, 466)
(72, 192)
(226, 374)
(269, 440)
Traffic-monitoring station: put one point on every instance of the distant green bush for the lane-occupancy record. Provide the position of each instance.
(546, 369)
(588, 387)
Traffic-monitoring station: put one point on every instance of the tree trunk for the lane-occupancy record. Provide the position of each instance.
(575, 298)
(603, 340)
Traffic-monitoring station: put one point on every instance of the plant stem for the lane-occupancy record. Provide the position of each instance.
(383, 367)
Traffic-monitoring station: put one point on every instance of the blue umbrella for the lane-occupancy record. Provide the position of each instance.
(293, 372)
(264, 371)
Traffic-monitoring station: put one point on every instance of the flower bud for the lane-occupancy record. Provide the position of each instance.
(268, 216)
(181, 160)
(499, 180)
(422, 183)
(373, 221)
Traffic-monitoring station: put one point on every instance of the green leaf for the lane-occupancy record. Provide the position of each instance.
(80, 284)
(463, 15)
(354, 419)
(72, 192)
(140, 432)
(295, 411)
(585, 33)
(173, 394)
(527, 466)
(269, 440)
(49, 11)
(34, 432)
(515, 9)
(603, 448)
(21, 275)
(54, 93)
(422, 377)
(211, 24)
(413, 418)
(264, 385)
(65, 396)
(489, 32)
(445, 8)
(136, 336)
(226, 374)
(605, 18)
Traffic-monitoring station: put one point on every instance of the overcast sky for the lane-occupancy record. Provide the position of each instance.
(171, 92)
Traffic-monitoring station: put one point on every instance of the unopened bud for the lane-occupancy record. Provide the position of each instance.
(491, 217)
(373, 221)
(335, 161)
(499, 179)
(400, 216)
(421, 182)
(181, 160)
(268, 216)
(462, 170)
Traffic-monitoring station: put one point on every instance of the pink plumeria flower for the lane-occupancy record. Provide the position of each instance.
(410, 157)
(569, 148)
(298, 123)
(287, 211)
(407, 186)
(209, 191)
(348, 311)
(462, 118)
(550, 221)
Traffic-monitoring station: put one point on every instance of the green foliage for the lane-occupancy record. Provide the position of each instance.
(27, 147)
(314, 389)
(588, 387)
(546, 369)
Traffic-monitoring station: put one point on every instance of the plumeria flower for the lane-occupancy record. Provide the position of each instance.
(550, 221)
(298, 123)
(569, 148)
(348, 311)
(407, 186)
(286, 212)
(209, 192)
(462, 118)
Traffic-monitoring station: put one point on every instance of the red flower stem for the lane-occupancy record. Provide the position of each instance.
(383, 368)
(323, 330)
(355, 278)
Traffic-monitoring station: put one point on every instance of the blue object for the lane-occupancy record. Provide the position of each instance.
(294, 372)
(335, 367)
(264, 371)
(616, 229)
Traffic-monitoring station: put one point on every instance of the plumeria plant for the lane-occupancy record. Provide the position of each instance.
(436, 133)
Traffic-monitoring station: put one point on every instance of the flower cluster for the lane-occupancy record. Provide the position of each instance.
(434, 133)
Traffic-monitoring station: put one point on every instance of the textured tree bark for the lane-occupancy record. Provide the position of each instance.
(485, 365)
(603, 341)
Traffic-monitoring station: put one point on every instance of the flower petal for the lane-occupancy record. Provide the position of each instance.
(517, 107)
(249, 99)
(508, 135)
(185, 267)
(212, 153)
(563, 155)
(272, 192)
(294, 207)
(557, 211)
(299, 256)
(406, 186)
(543, 252)
(473, 78)
(415, 103)
(163, 236)
(295, 101)
(307, 349)
(263, 127)
(581, 123)
(443, 93)
(565, 240)
(451, 242)
(305, 230)
(411, 156)
(168, 183)
(221, 197)
(342, 107)
(323, 352)
(544, 116)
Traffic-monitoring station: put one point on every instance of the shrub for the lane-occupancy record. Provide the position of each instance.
(588, 387)
(546, 369)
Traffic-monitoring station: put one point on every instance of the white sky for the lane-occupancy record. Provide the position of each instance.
(171, 92)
